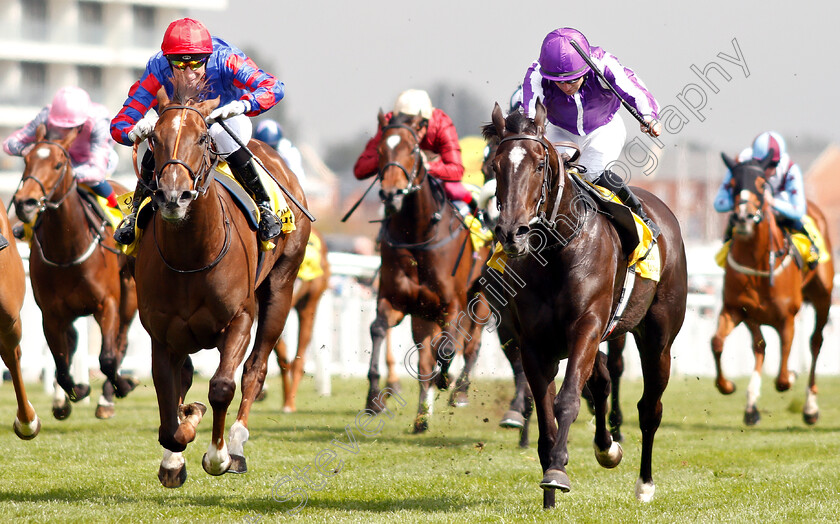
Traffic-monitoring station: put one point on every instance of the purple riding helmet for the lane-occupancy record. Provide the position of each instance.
(559, 60)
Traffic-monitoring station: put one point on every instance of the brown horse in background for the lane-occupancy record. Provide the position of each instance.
(305, 300)
(566, 292)
(75, 270)
(423, 244)
(202, 282)
(762, 286)
(27, 424)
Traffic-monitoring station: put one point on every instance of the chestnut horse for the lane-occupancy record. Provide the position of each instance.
(567, 290)
(423, 244)
(761, 286)
(75, 270)
(27, 424)
(202, 281)
(305, 300)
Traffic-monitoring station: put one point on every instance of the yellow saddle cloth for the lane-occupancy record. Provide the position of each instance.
(310, 268)
(479, 235)
(800, 241)
(645, 255)
(278, 205)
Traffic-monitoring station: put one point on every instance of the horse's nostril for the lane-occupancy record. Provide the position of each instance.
(521, 231)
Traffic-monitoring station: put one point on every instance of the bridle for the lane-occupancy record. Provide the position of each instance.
(411, 177)
(201, 181)
(758, 216)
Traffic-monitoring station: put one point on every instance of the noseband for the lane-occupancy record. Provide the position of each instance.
(412, 176)
(201, 181)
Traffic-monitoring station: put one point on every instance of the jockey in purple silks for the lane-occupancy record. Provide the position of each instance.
(582, 110)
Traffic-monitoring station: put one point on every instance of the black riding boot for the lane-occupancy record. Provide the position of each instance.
(125, 232)
(614, 183)
(243, 168)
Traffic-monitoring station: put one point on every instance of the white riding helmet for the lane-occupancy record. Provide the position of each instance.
(414, 102)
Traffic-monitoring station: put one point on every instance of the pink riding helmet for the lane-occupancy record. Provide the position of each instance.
(766, 141)
(559, 60)
(70, 107)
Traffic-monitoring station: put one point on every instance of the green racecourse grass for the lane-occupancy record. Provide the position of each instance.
(708, 467)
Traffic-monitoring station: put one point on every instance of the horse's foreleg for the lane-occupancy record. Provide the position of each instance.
(615, 365)
(726, 323)
(306, 323)
(541, 375)
(27, 424)
(62, 339)
(386, 318)
(471, 347)
(522, 405)
(281, 350)
(174, 439)
(423, 332)
(608, 452)
(393, 380)
(785, 378)
(217, 460)
(112, 352)
(751, 413)
(811, 411)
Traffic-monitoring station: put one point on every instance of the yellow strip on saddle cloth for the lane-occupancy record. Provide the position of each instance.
(645, 255)
(310, 268)
(800, 240)
(113, 215)
(479, 235)
(278, 204)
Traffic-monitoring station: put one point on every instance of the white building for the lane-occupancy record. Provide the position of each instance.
(99, 45)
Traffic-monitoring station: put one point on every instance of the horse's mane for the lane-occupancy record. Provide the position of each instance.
(184, 92)
(516, 122)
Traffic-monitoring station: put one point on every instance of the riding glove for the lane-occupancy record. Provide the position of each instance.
(235, 108)
(144, 127)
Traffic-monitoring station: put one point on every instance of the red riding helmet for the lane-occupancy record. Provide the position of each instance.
(186, 37)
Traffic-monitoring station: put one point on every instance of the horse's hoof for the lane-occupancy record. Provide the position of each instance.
(221, 469)
(442, 381)
(727, 387)
(375, 401)
(237, 464)
(752, 416)
(104, 412)
(62, 412)
(556, 479)
(512, 419)
(616, 435)
(644, 490)
(79, 392)
(811, 418)
(394, 386)
(132, 385)
(289, 409)
(421, 424)
(459, 399)
(172, 478)
(26, 432)
(609, 458)
(261, 395)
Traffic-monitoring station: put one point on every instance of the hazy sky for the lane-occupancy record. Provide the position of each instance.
(343, 60)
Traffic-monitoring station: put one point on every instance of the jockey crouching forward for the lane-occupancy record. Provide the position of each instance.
(244, 89)
(92, 153)
(438, 143)
(582, 110)
(785, 180)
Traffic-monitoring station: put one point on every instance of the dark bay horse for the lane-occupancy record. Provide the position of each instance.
(305, 300)
(567, 290)
(762, 286)
(202, 282)
(75, 270)
(520, 410)
(429, 271)
(13, 282)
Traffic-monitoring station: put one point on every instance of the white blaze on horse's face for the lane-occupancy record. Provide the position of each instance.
(392, 141)
(516, 155)
(176, 123)
(43, 152)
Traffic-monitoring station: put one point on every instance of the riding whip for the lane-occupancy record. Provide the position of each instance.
(258, 161)
(598, 72)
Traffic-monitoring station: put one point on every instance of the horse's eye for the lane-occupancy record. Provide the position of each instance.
(59, 166)
(202, 139)
(541, 166)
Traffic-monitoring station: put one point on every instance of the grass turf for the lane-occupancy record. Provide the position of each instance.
(708, 467)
